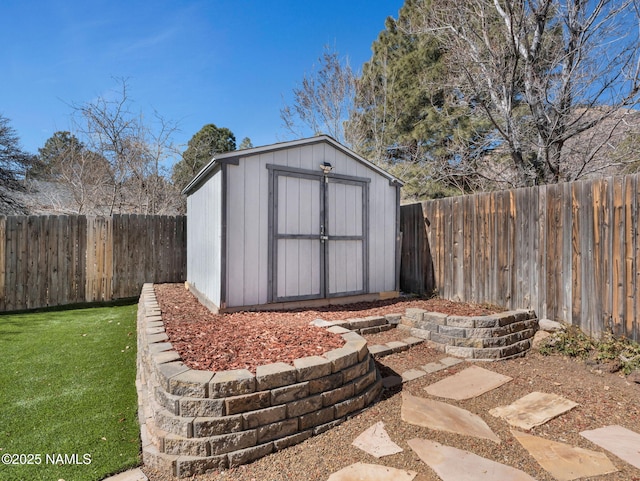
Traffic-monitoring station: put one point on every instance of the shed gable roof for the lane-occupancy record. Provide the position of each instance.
(204, 173)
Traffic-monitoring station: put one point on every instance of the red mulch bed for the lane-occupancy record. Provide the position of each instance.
(245, 340)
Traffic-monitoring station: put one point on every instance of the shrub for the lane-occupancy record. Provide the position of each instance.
(575, 343)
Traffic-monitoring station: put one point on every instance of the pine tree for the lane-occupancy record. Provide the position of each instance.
(207, 142)
(408, 113)
(14, 162)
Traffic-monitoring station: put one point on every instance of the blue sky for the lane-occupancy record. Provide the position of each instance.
(228, 62)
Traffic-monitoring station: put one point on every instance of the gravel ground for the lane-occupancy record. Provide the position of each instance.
(604, 398)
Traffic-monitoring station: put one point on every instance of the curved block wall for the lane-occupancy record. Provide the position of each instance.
(484, 338)
(194, 421)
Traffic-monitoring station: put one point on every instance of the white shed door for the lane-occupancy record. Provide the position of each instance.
(297, 238)
(318, 236)
(345, 243)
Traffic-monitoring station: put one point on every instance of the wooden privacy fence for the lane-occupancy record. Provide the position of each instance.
(58, 260)
(569, 251)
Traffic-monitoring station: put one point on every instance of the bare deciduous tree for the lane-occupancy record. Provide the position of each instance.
(133, 150)
(324, 100)
(543, 71)
(86, 176)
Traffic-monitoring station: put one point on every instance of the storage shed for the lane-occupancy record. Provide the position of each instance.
(306, 222)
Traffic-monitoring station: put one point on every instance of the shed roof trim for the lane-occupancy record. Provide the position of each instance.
(236, 154)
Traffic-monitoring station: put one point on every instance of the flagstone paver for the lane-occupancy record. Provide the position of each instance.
(620, 441)
(433, 367)
(450, 361)
(372, 472)
(444, 417)
(412, 341)
(533, 410)
(378, 350)
(131, 475)
(412, 374)
(398, 346)
(565, 462)
(469, 383)
(453, 464)
(376, 441)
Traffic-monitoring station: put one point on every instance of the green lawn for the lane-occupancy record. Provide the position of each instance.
(67, 387)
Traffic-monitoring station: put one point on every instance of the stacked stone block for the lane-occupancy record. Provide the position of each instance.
(498, 336)
(364, 325)
(194, 421)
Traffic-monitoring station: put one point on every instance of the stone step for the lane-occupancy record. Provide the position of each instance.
(375, 329)
(364, 322)
(380, 350)
(392, 347)
(361, 325)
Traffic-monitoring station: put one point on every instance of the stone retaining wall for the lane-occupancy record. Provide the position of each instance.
(498, 336)
(194, 421)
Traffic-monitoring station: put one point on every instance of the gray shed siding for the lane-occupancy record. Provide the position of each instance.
(247, 215)
(204, 238)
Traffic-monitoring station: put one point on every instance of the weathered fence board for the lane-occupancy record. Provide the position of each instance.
(569, 251)
(416, 268)
(58, 260)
